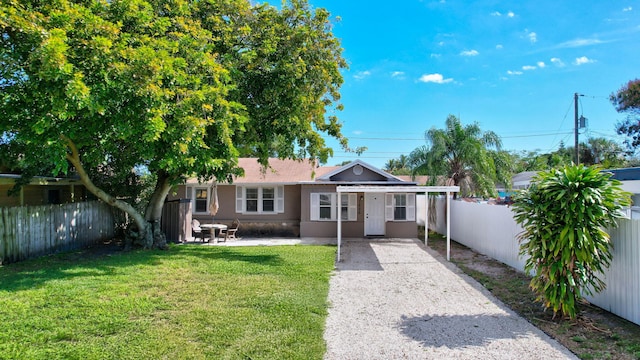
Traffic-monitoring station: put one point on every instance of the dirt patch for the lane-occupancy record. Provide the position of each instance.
(595, 334)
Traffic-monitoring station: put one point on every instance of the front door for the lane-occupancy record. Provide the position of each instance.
(374, 214)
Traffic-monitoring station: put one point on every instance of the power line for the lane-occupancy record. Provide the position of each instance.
(416, 139)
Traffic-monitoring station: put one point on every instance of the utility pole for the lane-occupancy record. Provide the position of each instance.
(576, 144)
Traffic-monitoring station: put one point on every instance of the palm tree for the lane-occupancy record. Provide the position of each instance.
(464, 156)
(399, 166)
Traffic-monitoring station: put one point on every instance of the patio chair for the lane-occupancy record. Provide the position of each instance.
(197, 231)
(230, 232)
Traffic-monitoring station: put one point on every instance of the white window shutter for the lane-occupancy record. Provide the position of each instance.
(353, 207)
(411, 207)
(239, 199)
(334, 206)
(314, 212)
(388, 207)
(279, 199)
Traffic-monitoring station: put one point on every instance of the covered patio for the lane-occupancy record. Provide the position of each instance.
(448, 190)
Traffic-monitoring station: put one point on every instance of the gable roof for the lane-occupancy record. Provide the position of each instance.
(305, 171)
(359, 170)
(279, 171)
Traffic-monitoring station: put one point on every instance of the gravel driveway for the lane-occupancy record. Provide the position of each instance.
(396, 299)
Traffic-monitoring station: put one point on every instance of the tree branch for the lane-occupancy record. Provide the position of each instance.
(74, 158)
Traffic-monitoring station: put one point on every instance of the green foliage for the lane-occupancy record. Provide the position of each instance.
(564, 215)
(465, 154)
(399, 166)
(605, 153)
(627, 99)
(181, 88)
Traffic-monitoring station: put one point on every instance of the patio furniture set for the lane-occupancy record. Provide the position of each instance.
(214, 231)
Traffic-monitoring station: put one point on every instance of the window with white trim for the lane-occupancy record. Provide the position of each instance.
(201, 200)
(268, 199)
(325, 207)
(400, 207)
(259, 199)
(349, 207)
(251, 199)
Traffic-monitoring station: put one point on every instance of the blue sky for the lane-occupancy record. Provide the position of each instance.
(511, 66)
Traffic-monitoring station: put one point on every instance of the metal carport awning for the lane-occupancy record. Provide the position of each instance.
(403, 189)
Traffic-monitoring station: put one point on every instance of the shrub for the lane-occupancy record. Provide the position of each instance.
(564, 214)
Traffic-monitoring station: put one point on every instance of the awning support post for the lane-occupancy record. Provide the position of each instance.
(339, 224)
(448, 226)
(426, 217)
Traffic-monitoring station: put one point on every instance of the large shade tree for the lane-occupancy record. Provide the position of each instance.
(627, 100)
(177, 87)
(465, 156)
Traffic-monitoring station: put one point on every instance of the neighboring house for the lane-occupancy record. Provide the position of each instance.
(630, 178)
(41, 191)
(297, 198)
(521, 181)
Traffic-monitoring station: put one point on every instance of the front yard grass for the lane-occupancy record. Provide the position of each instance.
(191, 302)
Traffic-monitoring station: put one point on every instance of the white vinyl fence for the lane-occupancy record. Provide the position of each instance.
(30, 231)
(492, 231)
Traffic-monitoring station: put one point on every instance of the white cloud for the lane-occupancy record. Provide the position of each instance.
(441, 43)
(533, 37)
(434, 78)
(362, 75)
(528, 67)
(499, 46)
(357, 132)
(583, 60)
(556, 61)
(470, 53)
(627, 9)
(541, 64)
(579, 43)
(435, 56)
(514, 72)
(508, 14)
(398, 74)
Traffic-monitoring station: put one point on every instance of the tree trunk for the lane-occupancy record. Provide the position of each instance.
(144, 233)
(153, 212)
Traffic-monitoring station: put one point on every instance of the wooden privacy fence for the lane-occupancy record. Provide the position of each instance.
(492, 231)
(30, 231)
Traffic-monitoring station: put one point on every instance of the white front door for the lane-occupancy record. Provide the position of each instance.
(373, 214)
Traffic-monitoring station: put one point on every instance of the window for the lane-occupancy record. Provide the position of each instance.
(400, 207)
(268, 199)
(201, 200)
(251, 198)
(325, 207)
(260, 200)
(349, 207)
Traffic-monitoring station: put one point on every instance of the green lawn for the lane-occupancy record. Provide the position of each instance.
(191, 302)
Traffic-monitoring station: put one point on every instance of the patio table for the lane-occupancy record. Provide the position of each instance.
(213, 229)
